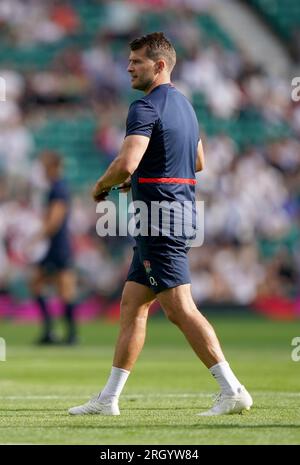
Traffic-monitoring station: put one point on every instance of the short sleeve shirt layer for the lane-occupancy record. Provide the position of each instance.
(167, 169)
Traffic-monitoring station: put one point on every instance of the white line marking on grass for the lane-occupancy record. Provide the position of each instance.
(129, 396)
(17, 444)
(144, 396)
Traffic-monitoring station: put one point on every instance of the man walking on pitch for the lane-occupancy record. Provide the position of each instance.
(161, 152)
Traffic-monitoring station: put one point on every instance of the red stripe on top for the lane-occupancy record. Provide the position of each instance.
(167, 181)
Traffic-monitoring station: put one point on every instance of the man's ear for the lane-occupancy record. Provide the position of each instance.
(160, 66)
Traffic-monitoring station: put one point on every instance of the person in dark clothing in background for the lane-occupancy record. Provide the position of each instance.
(58, 262)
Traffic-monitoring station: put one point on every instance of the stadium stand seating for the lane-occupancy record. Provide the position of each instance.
(74, 140)
(283, 16)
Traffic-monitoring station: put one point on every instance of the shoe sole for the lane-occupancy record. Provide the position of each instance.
(237, 409)
(102, 412)
(240, 409)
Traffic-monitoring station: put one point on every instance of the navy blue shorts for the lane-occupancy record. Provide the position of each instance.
(55, 262)
(159, 269)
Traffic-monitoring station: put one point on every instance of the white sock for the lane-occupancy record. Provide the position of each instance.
(225, 377)
(114, 385)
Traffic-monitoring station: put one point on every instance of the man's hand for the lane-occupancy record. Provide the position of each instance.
(99, 193)
(126, 186)
(101, 197)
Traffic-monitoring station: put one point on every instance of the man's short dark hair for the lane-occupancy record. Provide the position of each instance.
(158, 46)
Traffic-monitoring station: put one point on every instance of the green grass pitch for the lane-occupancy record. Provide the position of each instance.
(165, 391)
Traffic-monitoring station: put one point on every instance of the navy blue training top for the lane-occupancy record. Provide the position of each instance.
(167, 169)
(60, 242)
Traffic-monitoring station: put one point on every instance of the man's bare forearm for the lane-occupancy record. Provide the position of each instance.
(115, 174)
(130, 155)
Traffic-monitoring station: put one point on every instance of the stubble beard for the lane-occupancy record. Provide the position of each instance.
(142, 85)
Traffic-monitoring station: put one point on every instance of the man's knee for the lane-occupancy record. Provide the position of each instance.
(177, 314)
(132, 311)
(172, 313)
(130, 307)
(68, 297)
(66, 284)
(36, 285)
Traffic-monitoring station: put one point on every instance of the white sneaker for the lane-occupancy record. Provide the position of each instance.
(226, 404)
(95, 407)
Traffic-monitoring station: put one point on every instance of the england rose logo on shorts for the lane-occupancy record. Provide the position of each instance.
(147, 266)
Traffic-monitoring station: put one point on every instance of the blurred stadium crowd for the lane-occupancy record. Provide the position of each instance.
(64, 64)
